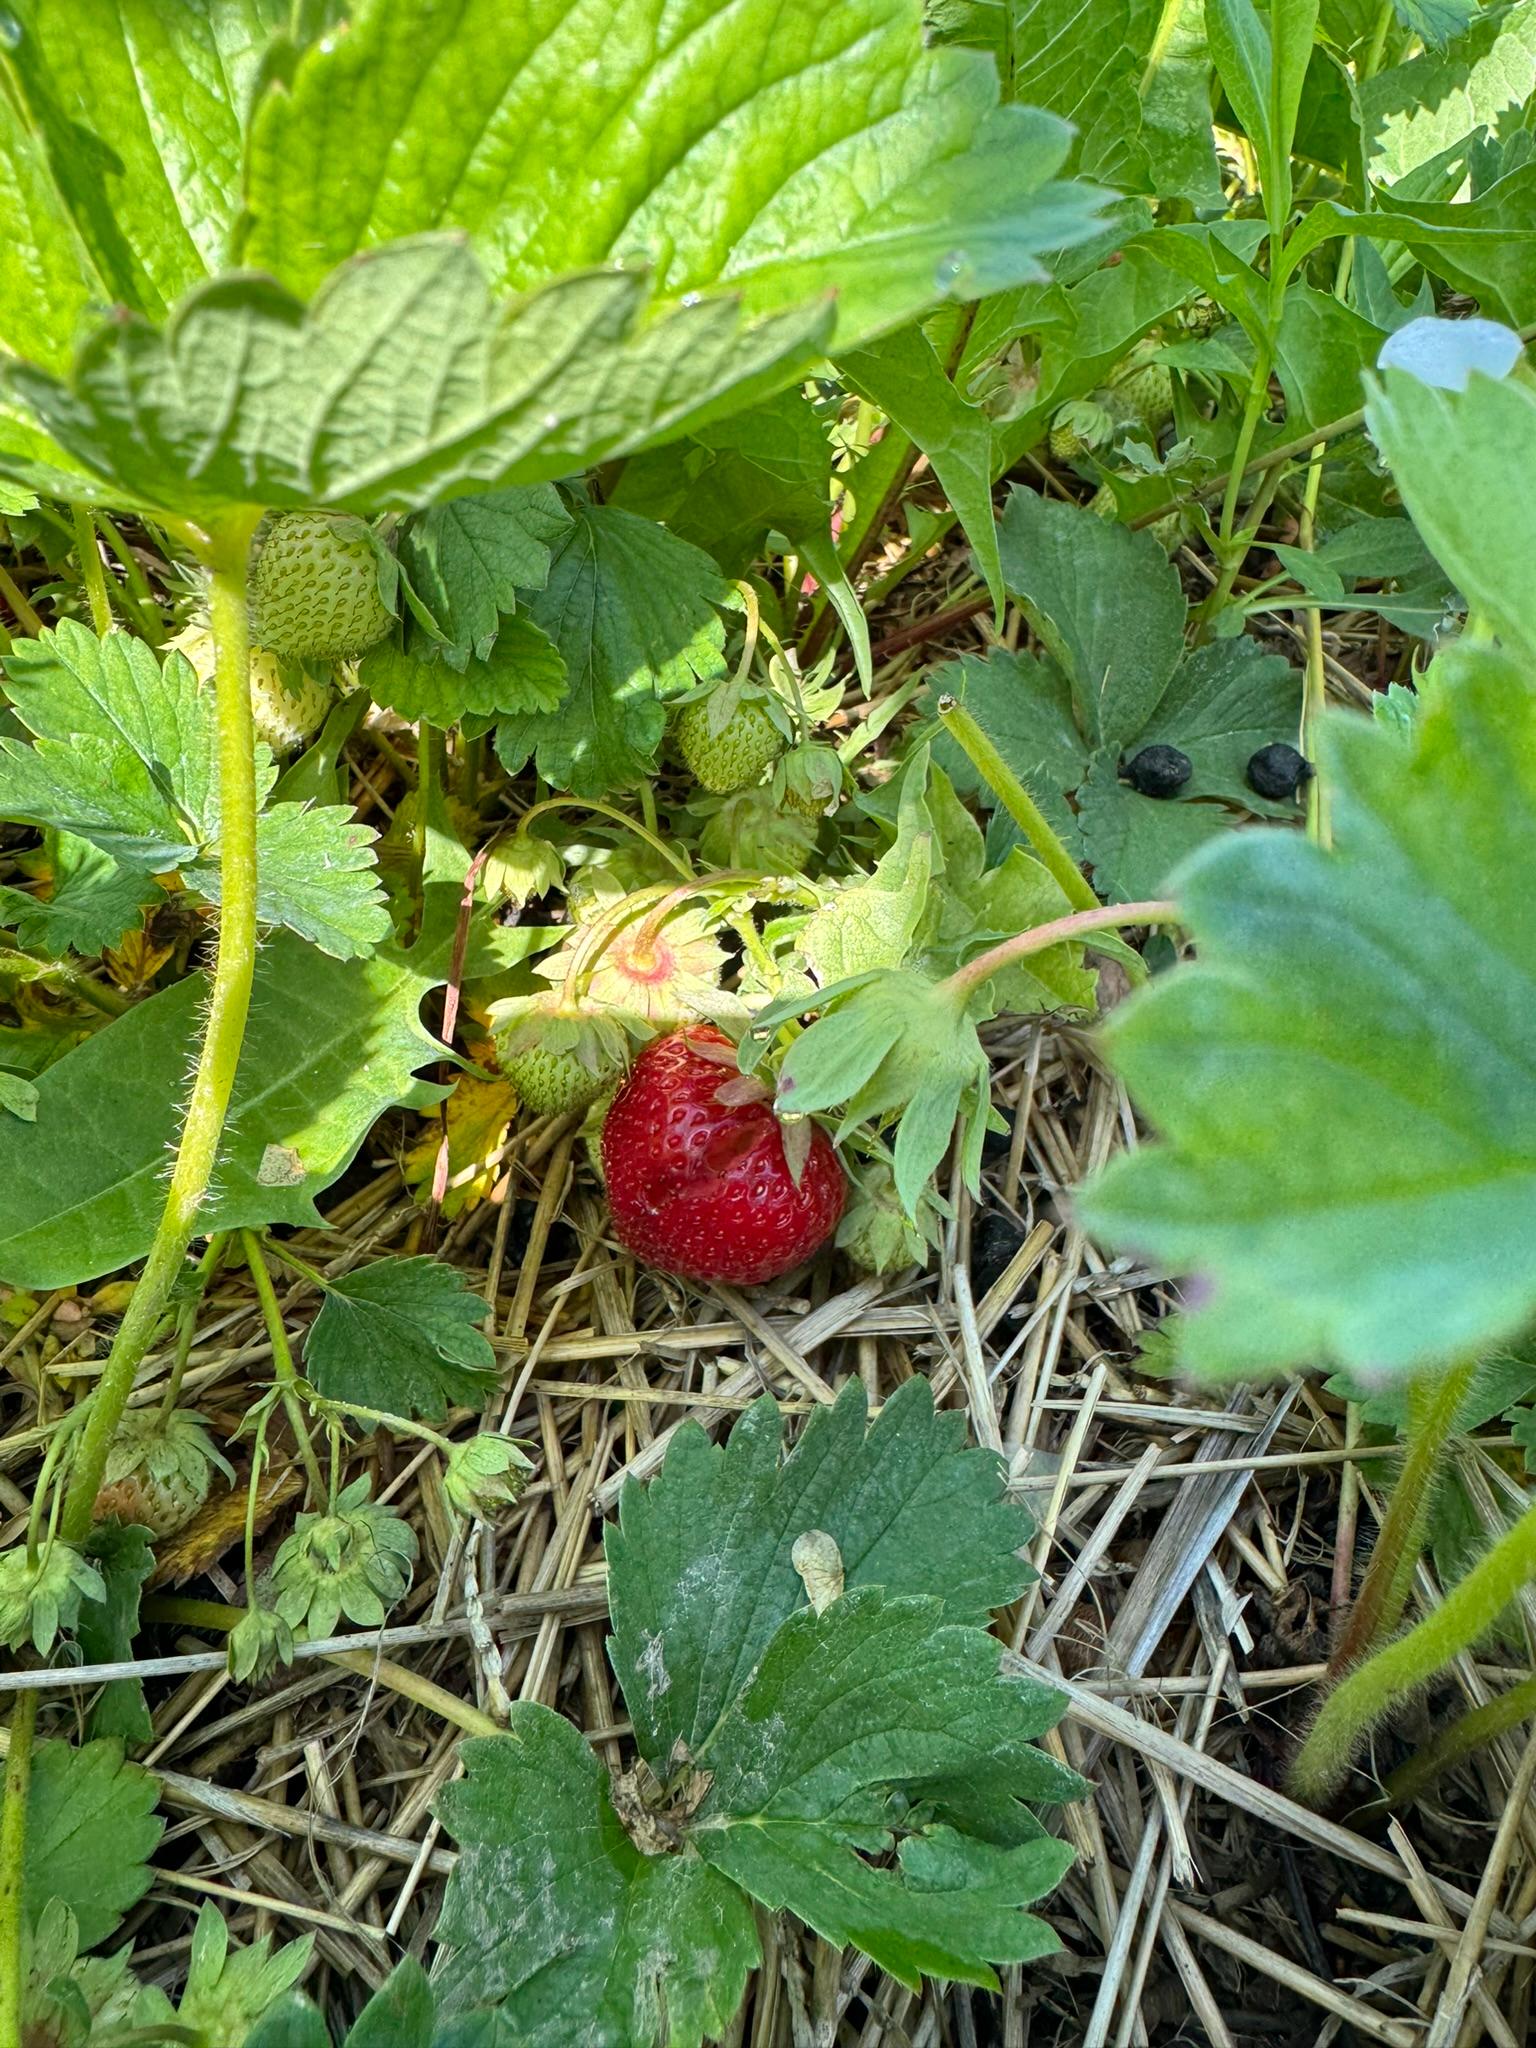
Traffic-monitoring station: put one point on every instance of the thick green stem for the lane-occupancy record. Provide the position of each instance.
(1017, 801)
(1466, 1614)
(1061, 931)
(1433, 1406)
(93, 575)
(282, 1362)
(229, 1000)
(13, 1843)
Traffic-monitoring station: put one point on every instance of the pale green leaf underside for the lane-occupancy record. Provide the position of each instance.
(402, 382)
(1345, 1081)
(1484, 538)
(552, 1912)
(699, 1562)
(780, 149)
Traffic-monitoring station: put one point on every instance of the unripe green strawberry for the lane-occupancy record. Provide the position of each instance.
(735, 757)
(315, 587)
(159, 1470)
(288, 705)
(557, 1056)
(1144, 398)
(1080, 426)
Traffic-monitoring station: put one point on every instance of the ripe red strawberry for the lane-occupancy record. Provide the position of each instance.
(699, 1185)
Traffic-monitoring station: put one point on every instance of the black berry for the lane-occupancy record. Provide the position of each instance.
(1158, 771)
(1278, 771)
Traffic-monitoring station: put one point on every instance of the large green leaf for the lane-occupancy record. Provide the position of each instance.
(332, 1044)
(780, 149)
(1344, 1081)
(1436, 442)
(45, 292)
(701, 1574)
(402, 382)
(554, 1915)
(633, 611)
(139, 107)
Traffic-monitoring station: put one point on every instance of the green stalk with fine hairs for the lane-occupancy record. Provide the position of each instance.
(224, 551)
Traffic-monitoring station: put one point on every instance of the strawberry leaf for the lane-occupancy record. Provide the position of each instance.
(633, 611)
(643, 1947)
(332, 1044)
(1343, 1077)
(845, 1740)
(91, 1826)
(315, 875)
(700, 1570)
(467, 560)
(807, 156)
(95, 791)
(91, 903)
(402, 1335)
(402, 381)
(523, 671)
(107, 1628)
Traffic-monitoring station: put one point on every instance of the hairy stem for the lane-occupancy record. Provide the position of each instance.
(225, 553)
(92, 574)
(1433, 1405)
(1017, 801)
(282, 1361)
(1061, 931)
(13, 1843)
(1468, 1611)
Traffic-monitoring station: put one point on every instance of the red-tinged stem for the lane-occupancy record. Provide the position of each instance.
(1061, 931)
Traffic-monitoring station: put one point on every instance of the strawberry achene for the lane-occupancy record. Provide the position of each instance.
(701, 1186)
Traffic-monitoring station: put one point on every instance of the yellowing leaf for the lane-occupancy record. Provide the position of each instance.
(478, 1113)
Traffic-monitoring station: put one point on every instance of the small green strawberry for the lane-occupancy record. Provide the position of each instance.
(315, 586)
(558, 1057)
(159, 1470)
(288, 705)
(733, 752)
(809, 781)
(1079, 427)
(1142, 398)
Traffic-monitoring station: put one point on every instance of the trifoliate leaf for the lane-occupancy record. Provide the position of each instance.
(108, 1626)
(91, 901)
(68, 684)
(552, 1910)
(522, 671)
(467, 560)
(316, 875)
(1343, 1078)
(700, 1571)
(403, 1335)
(91, 1827)
(852, 1719)
(633, 611)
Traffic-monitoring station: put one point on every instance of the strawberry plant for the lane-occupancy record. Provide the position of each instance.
(611, 623)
